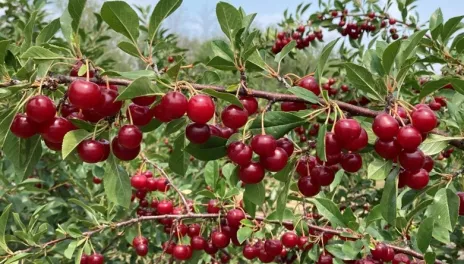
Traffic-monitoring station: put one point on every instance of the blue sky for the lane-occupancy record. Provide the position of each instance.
(196, 18)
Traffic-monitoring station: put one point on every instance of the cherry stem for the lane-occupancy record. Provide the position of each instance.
(88, 70)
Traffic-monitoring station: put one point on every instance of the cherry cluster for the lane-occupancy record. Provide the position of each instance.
(95, 258)
(302, 40)
(437, 103)
(401, 144)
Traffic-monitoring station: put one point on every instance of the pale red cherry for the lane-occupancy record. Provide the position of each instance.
(84, 94)
(200, 108)
(175, 104)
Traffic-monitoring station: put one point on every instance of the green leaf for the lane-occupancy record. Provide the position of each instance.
(458, 85)
(374, 215)
(173, 72)
(421, 206)
(213, 149)
(304, 94)
(163, 9)
(436, 19)
(229, 18)
(3, 49)
(224, 96)
(424, 234)
(121, 18)
(222, 49)
(244, 233)
(140, 87)
(221, 64)
(255, 193)
(178, 160)
(431, 86)
(285, 174)
(450, 28)
(68, 253)
(48, 32)
(175, 125)
(117, 183)
(389, 55)
(320, 144)
(3, 223)
(129, 48)
(388, 200)
(17, 257)
(23, 153)
(362, 79)
(66, 26)
(321, 63)
(256, 59)
(210, 77)
(283, 193)
(276, 123)
(132, 75)
(429, 257)
(434, 144)
(28, 32)
(409, 46)
(379, 169)
(75, 9)
(444, 209)
(211, 174)
(348, 250)
(72, 139)
(337, 180)
(329, 210)
(285, 51)
(39, 53)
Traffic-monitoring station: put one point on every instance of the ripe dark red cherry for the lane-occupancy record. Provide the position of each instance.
(198, 243)
(200, 108)
(164, 207)
(401, 259)
(182, 252)
(292, 106)
(197, 133)
(409, 138)
(234, 117)
(96, 258)
(123, 153)
(91, 151)
(347, 130)
(385, 127)
(160, 114)
(139, 240)
(305, 165)
(139, 181)
(265, 257)
(250, 252)
(304, 243)
(309, 83)
(289, 239)
(130, 136)
(273, 247)
(461, 202)
(417, 180)
(55, 129)
(351, 162)
(141, 115)
(286, 145)
(263, 145)
(325, 259)
(84, 94)
(151, 184)
(307, 187)
(53, 146)
(84, 259)
(412, 161)
(275, 162)
(387, 149)
(322, 175)
(141, 250)
(108, 106)
(251, 173)
(193, 230)
(379, 252)
(331, 144)
(424, 119)
(249, 103)
(227, 132)
(220, 239)
(40, 109)
(175, 104)
(239, 153)
(358, 143)
(91, 115)
(23, 127)
(210, 248)
(144, 100)
(162, 185)
(234, 217)
(106, 148)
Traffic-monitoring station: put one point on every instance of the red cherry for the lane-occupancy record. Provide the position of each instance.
(434, 105)
(182, 252)
(108, 106)
(210, 248)
(358, 143)
(234, 217)
(392, 21)
(75, 70)
(84, 259)
(309, 83)
(227, 132)
(292, 106)
(304, 243)
(351, 162)
(91, 151)
(215, 131)
(220, 239)
(198, 243)
(401, 259)
(55, 130)
(389, 255)
(249, 103)
(461, 202)
(322, 175)
(96, 258)
(164, 207)
(273, 247)
(141, 115)
(84, 94)
(193, 230)
(180, 230)
(331, 144)
(106, 148)
(409, 138)
(286, 145)
(170, 59)
(289, 239)
(265, 257)
(412, 161)
(130, 136)
(151, 184)
(162, 184)
(239, 153)
(200, 108)
(141, 250)
(53, 146)
(144, 100)
(387, 149)
(251, 173)
(91, 115)
(141, 194)
(424, 120)
(96, 180)
(305, 165)
(234, 117)
(197, 133)
(347, 130)
(250, 252)
(263, 145)
(67, 109)
(385, 126)
(175, 104)
(213, 207)
(275, 162)
(40, 109)
(417, 180)
(23, 127)
(160, 114)
(139, 181)
(379, 251)
(307, 187)
(123, 153)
